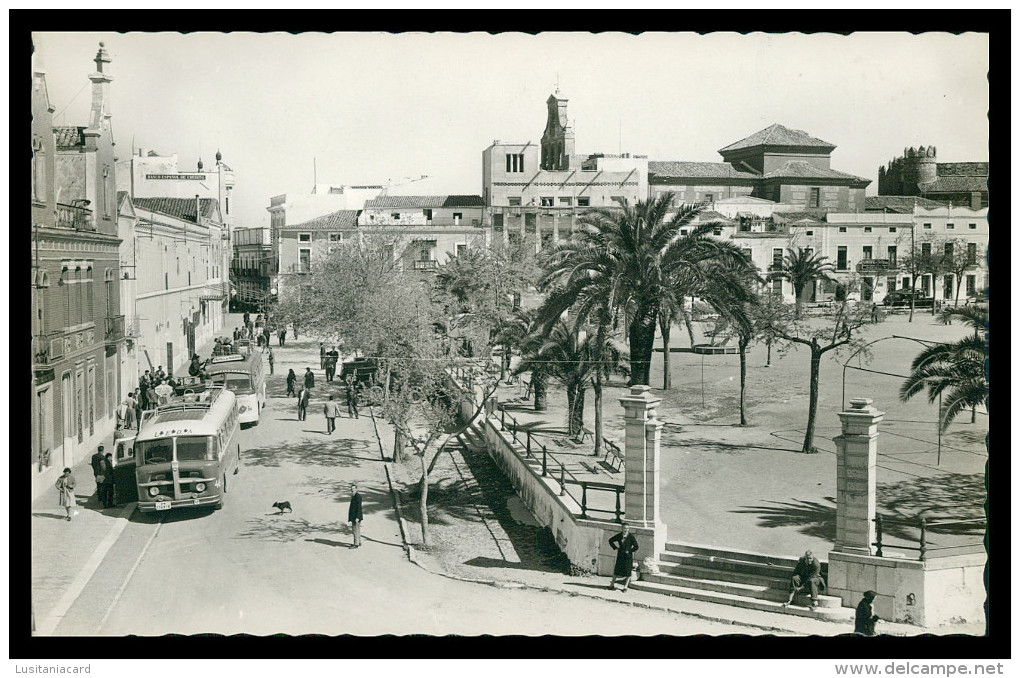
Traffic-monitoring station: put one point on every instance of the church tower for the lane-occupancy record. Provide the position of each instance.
(558, 137)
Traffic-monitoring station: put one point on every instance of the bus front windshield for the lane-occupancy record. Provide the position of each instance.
(234, 381)
(189, 448)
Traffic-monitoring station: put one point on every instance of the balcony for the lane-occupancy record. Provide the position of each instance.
(74, 217)
(425, 264)
(115, 328)
(767, 230)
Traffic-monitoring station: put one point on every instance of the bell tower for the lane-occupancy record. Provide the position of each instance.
(558, 137)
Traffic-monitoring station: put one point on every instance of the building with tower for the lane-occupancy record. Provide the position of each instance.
(918, 173)
(77, 324)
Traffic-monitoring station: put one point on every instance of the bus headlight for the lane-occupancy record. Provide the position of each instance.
(243, 409)
(153, 491)
(200, 487)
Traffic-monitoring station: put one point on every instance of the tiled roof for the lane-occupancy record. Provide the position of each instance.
(181, 208)
(708, 216)
(329, 222)
(898, 204)
(962, 169)
(801, 169)
(69, 136)
(424, 201)
(955, 185)
(777, 135)
(708, 170)
(744, 200)
(790, 217)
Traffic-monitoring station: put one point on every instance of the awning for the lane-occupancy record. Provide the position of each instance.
(214, 292)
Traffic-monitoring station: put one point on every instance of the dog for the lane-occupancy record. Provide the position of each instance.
(282, 506)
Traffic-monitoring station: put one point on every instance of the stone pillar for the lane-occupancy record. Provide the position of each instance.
(641, 465)
(556, 228)
(856, 473)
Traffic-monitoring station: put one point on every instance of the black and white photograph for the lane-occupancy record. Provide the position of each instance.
(496, 334)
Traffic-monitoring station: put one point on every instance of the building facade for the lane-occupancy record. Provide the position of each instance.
(181, 290)
(780, 164)
(252, 269)
(427, 229)
(77, 326)
(534, 193)
(918, 173)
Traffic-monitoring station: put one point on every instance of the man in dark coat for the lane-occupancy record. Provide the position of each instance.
(352, 399)
(808, 572)
(309, 378)
(247, 319)
(302, 403)
(625, 545)
(864, 621)
(354, 515)
(106, 487)
(97, 471)
(283, 336)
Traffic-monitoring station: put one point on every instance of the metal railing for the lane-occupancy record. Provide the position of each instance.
(71, 216)
(553, 467)
(923, 548)
(425, 264)
(115, 327)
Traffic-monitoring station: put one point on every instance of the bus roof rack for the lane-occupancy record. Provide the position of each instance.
(192, 401)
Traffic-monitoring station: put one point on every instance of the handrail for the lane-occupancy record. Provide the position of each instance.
(922, 548)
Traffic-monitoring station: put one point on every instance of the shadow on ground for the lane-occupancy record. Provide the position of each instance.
(814, 519)
(331, 451)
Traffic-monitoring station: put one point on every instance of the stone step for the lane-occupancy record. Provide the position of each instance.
(759, 591)
(727, 565)
(840, 614)
(696, 572)
(736, 554)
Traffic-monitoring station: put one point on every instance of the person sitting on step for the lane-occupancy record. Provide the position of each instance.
(808, 572)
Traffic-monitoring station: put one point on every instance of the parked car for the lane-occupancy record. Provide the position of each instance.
(363, 369)
(902, 298)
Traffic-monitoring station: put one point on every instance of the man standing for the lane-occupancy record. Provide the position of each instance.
(283, 336)
(143, 389)
(272, 359)
(322, 356)
(247, 319)
(332, 410)
(106, 486)
(352, 400)
(309, 378)
(160, 374)
(129, 410)
(354, 515)
(302, 403)
(97, 471)
(808, 572)
(332, 358)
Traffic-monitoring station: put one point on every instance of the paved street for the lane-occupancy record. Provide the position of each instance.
(245, 569)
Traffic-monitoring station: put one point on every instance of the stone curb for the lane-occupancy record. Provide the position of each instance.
(389, 482)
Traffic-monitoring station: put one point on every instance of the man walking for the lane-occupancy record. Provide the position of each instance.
(322, 355)
(352, 400)
(106, 486)
(97, 471)
(332, 410)
(272, 359)
(354, 515)
(247, 319)
(283, 336)
(302, 403)
(309, 378)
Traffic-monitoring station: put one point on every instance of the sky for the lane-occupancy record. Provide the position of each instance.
(378, 108)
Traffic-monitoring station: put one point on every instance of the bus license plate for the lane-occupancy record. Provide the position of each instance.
(162, 506)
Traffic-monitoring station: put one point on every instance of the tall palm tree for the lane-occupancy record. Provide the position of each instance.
(801, 266)
(520, 333)
(956, 371)
(630, 262)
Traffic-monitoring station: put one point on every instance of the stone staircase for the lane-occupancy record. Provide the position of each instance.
(740, 578)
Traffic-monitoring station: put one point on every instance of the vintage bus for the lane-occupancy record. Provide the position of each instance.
(186, 451)
(244, 375)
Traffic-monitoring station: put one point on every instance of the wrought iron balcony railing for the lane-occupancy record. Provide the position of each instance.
(77, 218)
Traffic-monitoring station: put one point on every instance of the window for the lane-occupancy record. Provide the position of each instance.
(841, 258)
(710, 197)
(926, 227)
(906, 282)
(547, 201)
(336, 237)
(842, 229)
(809, 232)
(890, 284)
(717, 231)
(497, 222)
(226, 202)
(461, 249)
(584, 201)
(196, 448)
(925, 284)
(304, 260)
(972, 253)
(971, 285)
(566, 202)
(683, 231)
(815, 198)
(972, 227)
(514, 162)
(38, 170)
(457, 216)
(891, 255)
(867, 229)
(427, 214)
(809, 251)
(892, 229)
(747, 252)
(777, 258)
(925, 250)
(949, 250)
(395, 216)
(514, 201)
(304, 237)
(867, 252)
(950, 227)
(777, 286)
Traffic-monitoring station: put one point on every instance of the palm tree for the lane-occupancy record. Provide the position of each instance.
(955, 371)
(633, 262)
(521, 333)
(569, 359)
(801, 266)
(738, 304)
